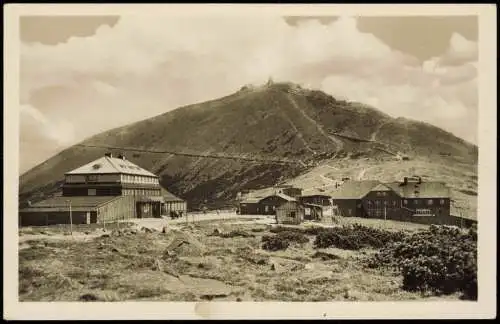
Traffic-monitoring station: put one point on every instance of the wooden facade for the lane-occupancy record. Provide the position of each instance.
(290, 212)
(105, 190)
(409, 201)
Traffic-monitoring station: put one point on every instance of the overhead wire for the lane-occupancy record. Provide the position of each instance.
(204, 155)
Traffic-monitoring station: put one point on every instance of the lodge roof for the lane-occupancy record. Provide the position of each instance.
(359, 189)
(76, 202)
(109, 164)
(425, 189)
(353, 189)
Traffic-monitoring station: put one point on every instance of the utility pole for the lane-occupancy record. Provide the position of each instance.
(70, 218)
(385, 212)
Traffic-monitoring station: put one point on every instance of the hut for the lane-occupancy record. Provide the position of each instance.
(290, 212)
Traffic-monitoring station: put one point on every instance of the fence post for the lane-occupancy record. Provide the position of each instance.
(70, 218)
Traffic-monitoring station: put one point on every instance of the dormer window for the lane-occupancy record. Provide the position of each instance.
(91, 178)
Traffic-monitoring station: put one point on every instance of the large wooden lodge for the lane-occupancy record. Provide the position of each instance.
(105, 190)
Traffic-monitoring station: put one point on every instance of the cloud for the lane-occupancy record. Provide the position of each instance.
(146, 65)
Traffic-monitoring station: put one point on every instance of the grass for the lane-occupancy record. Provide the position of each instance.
(137, 267)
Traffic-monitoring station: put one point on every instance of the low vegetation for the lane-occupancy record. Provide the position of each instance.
(214, 261)
(442, 260)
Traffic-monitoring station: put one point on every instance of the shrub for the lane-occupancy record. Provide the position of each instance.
(355, 237)
(292, 236)
(274, 243)
(441, 259)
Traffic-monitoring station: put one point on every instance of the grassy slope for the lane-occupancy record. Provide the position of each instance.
(262, 122)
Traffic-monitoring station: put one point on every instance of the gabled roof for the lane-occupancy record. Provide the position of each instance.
(251, 200)
(283, 196)
(354, 189)
(168, 196)
(316, 192)
(424, 190)
(108, 165)
(381, 187)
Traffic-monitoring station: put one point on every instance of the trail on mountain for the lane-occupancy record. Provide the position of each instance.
(297, 131)
(373, 137)
(338, 144)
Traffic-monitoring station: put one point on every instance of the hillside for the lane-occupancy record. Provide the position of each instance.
(274, 121)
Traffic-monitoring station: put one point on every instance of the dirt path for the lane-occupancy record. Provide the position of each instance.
(338, 143)
(373, 137)
(299, 133)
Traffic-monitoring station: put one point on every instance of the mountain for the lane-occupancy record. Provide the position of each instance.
(277, 121)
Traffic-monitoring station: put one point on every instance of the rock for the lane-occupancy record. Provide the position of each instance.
(87, 233)
(105, 235)
(212, 296)
(325, 256)
(88, 297)
(309, 266)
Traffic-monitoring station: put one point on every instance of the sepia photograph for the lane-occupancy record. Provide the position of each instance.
(233, 155)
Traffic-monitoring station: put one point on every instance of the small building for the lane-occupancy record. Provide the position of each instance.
(269, 204)
(250, 206)
(290, 212)
(264, 204)
(84, 210)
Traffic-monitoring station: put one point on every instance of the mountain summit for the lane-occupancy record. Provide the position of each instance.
(252, 128)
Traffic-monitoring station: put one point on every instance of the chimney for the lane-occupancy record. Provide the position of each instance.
(108, 154)
(121, 157)
(419, 180)
(405, 180)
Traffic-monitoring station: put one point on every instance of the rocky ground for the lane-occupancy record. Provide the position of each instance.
(208, 260)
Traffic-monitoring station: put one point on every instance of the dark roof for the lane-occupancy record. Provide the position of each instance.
(79, 201)
(251, 200)
(168, 196)
(280, 195)
(425, 189)
(354, 189)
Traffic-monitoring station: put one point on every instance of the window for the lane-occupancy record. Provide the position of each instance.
(405, 202)
(369, 202)
(377, 203)
(91, 192)
(394, 203)
(430, 202)
(441, 201)
(415, 202)
(91, 178)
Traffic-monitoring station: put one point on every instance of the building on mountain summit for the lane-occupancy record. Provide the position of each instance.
(105, 190)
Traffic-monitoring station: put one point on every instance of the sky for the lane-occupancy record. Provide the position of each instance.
(82, 75)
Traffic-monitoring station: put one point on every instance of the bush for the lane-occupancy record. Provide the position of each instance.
(292, 236)
(274, 243)
(442, 260)
(355, 237)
